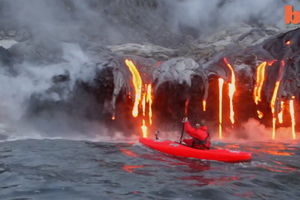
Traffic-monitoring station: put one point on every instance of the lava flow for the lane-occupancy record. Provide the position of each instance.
(274, 98)
(292, 113)
(204, 105)
(143, 101)
(260, 114)
(144, 104)
(221, 83)
(273, 104)
(232, 89)
(280, 114)
(144, 129)
(260, 78)
(142, 93)
(149, 101)
(137, 83)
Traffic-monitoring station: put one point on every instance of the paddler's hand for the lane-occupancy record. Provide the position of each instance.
(185, 119)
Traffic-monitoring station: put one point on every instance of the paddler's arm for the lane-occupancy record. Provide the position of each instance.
(189, 129)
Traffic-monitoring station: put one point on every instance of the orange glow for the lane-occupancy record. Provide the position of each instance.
(129, 153)
(260, 78)
(273, 105)
(272, 149)
(273, 128)
(144, 104)
(288, 42)
(278, 153)
(274, 96)
(260, 114)
(271, 62)
(280, 114)
(131, 168)
(231, 89)
(221, 83)
(137, 83)
(292, 113)
(231, 93)
(204, 105)
(149, 101)
(144, 129)
(143, 95)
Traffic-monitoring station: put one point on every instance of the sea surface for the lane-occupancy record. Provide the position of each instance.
(70, 170)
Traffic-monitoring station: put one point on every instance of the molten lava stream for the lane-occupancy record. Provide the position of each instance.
(273, 104)
(292, 113)
(137, 83)
(221, 83)
(144, 104)
(231, 90)
(144, 129)
(260, 78)
(146, 97)
(280, 114)
(204, 105)
(260, 114)
(150, 102)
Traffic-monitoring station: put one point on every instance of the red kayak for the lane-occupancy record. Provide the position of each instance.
(176, 149)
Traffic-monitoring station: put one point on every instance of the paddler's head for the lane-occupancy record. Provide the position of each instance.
(202, 123)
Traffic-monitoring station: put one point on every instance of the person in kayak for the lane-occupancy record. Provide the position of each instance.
(200, 135)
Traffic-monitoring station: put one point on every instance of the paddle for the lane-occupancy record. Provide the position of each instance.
(186, 105)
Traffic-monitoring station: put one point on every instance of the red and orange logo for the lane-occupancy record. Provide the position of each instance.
(291, 15)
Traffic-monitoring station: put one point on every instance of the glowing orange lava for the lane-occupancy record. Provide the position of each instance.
(231, 89)
(113, 117)
(129, 153)
(144, 104)
(144, 129)
(280, 114)
(260, 78)
(221, 83)
(273, 128)
(204, 105)
(143, 95)
(288, 42)
(273, 105)
(149, 101)
(137, 83)
(260, 114)
(271, 62)
(292, 113)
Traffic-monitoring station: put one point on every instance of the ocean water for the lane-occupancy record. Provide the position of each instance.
(66, 169)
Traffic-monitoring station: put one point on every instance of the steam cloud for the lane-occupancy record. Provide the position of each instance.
(135, 20)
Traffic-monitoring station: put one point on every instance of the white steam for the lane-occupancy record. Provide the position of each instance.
(253, 130)
(17, 90)
(214, 15)
(120, 21)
